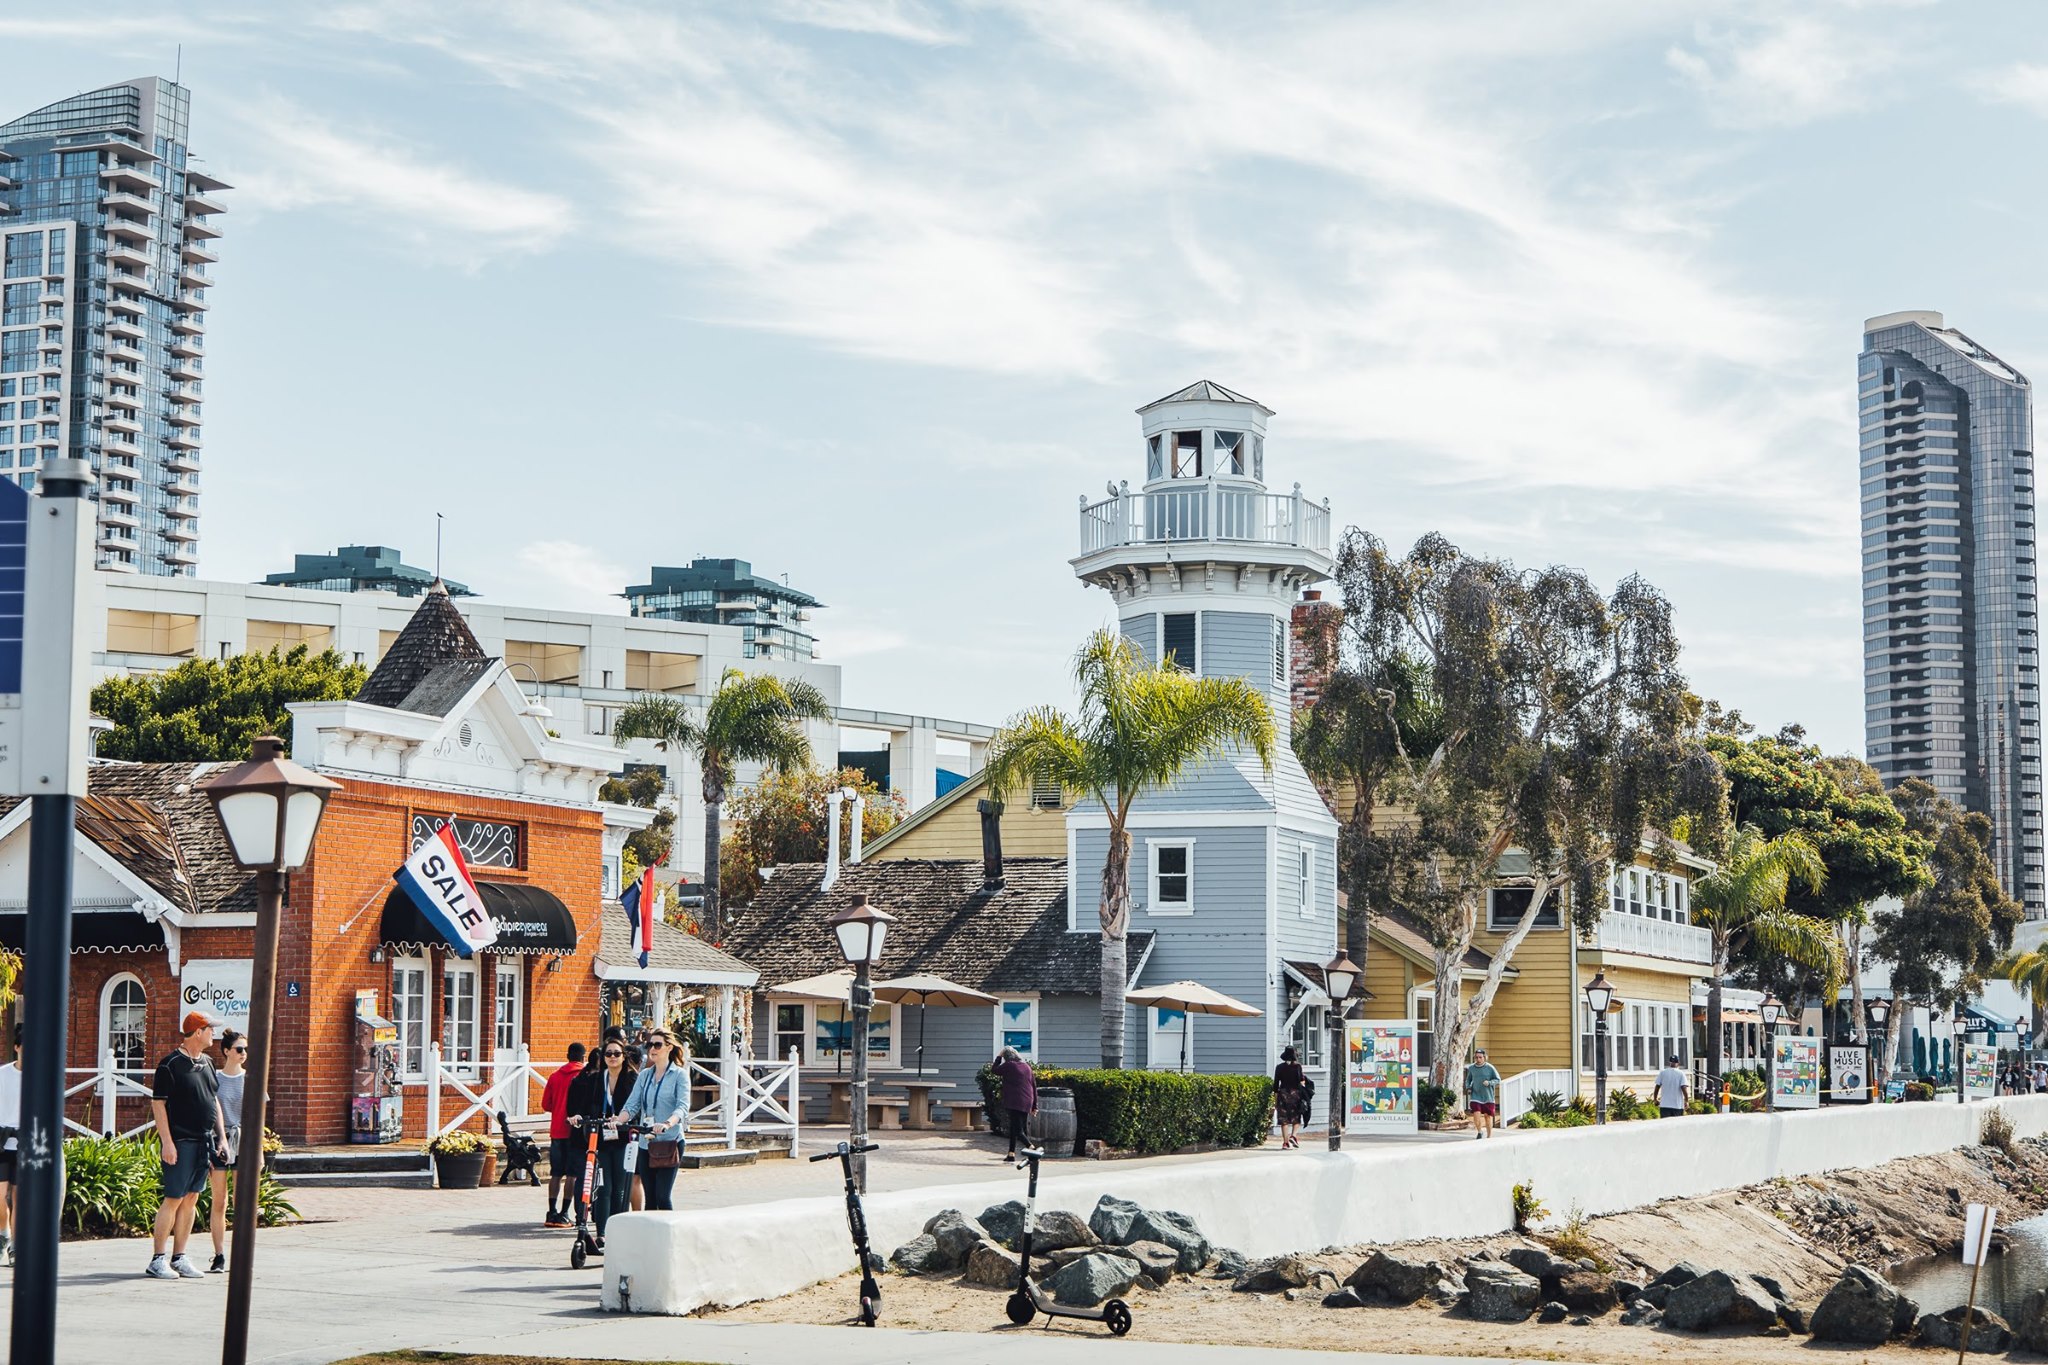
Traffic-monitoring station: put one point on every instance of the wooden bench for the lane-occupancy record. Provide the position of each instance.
(963, 1116)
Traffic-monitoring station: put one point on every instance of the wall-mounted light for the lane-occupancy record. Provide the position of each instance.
(555, 963)
(377, 953)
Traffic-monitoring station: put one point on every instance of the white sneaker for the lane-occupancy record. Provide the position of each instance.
(160, 1268)
(185, 1269)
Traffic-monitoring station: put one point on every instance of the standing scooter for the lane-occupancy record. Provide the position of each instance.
(587, 1243)
(857, 1221)
(1029, 1299)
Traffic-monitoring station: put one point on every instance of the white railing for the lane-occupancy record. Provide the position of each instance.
(1205, 511)
(507, 1089)
(1627, 933)
(1515, 1090)
(747, 1096)
(110, 1083)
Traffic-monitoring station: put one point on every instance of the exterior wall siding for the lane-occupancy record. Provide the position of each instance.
(955, 832)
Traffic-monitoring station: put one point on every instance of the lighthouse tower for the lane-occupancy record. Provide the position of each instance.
(1233, 869)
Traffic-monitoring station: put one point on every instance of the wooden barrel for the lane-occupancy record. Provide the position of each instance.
(1055, 1126)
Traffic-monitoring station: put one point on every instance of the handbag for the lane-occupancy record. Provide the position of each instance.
(664, 1154)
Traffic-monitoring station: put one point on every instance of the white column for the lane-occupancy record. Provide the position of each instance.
(853, 830)
(833, 799)
(433, 1091)
(728, 1071)
(109, 1093)
(914, 764)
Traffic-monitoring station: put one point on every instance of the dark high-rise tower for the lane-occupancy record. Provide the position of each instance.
(1951, 661)
(106, 235)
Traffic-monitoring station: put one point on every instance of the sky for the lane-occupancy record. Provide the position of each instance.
(866, 291)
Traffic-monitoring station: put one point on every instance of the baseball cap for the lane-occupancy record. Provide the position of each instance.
(196, 1020)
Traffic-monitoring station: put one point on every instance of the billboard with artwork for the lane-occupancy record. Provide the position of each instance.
(1379, 1076)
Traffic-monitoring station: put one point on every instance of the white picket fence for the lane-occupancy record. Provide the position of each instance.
(109, 1083)
(505, 1086)
(1515, 1090)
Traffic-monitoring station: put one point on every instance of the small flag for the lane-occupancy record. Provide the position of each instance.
(641, 908)
(437, 880)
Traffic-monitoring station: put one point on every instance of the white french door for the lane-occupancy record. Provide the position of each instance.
(508, 1019)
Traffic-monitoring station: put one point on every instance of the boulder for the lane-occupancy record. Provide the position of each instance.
(1626, 1291)
(991, 1267)
(955, 1235)
(1501, 1293)
(1581, 1320)
(1677, 1275)
(1793, 1317)
(1861, 1308)
(1447, 1291)
(1586, 1291)
(918, 1256)
(1552, 1312)
(1343, 1298)
(1989, 1333)
(1772, 1287)
(1093, 1278)
(1656, 1295)
(1003, 1222)
(1111, 1221)
(1719, 1299)
(2030, 1323)
(1394, 1278)
(1538, 1262)
(1176, 1230)
(1042, 1266)
(1276, 1273)
(1230, 1263)
(1157, 1261)
(1060, 1229)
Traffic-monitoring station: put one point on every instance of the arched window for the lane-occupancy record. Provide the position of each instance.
(124, 1022)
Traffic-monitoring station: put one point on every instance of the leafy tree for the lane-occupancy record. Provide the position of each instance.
(2029, 971)
(781, 819)
(1744, 899)
(751, 718)
(1139, 728)
(208, 710)
(644, 787)
(1561, 730)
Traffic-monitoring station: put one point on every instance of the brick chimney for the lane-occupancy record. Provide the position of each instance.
(1314, 627)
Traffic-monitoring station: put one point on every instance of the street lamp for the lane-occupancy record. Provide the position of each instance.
(1879, 1010)
(860, 929)
(1599, 997)
(1770, 1009)
(269, 808)
(1340, 974)
(1960, 1032)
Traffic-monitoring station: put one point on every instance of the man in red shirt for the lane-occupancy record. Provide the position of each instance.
(554, 1098)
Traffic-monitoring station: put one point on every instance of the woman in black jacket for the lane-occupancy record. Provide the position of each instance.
(594, 1096)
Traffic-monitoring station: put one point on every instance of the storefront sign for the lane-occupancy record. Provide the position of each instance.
(220, 987)
(1379, 1076)
(1849, 1074)
(1795, 1072)
(1980, 1072)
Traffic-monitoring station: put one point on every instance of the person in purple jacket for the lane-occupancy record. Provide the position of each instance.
(1019, 1096)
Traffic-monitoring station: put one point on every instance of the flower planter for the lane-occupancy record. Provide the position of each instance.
(460, 1172)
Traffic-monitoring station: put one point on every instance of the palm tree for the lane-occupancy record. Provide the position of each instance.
(1140, 726)
(751, 718)
(1744, 898)
(2028, 970)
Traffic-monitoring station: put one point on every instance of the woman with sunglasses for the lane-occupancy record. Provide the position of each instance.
(232, 1080)
(659, 1103)
(594, 1097)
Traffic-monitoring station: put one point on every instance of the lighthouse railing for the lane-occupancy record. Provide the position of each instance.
(1205, 511)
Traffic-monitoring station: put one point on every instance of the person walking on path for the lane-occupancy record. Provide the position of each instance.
(1290, 1089)
(184, 1099)
(231, 1080)
(563, 1161)
(1671, 1090)
(1019, 1095)
(10, 1126)
(600, 1092)
(1482, 1094)
(659, 1102)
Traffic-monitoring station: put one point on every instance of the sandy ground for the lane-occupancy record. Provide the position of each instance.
(1800, 1231)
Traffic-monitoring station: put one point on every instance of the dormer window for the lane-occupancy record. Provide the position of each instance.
(1187, 455)
(1229, 452)
(1155, 457)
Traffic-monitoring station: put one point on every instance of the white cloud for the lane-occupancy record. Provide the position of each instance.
(2024, 84)
(904, 19)
(572, 577)
(1794, 69)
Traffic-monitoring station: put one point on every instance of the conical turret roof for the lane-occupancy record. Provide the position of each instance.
(432, 662)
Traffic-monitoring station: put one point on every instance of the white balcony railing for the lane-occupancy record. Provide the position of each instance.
(1516, 1090)
(1647, 937)
(1205, 511)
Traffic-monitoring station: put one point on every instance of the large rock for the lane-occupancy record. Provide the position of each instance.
(1672, 1278)
(1230, 1263)
(1092, 1279)
(1176, 1230)
(918, 1256)
(1343, 1298)
(1988, 1331)
(1586, 1291)
(1501, 1293)
(955, 1234)
(2030, 1323)
(1157, 1261)
(991, 1267)
(1862, 1308)
(1003, 1222)
(1538, 1262)
(1395, 1279)
(1276, 1273)
(1042, 1266)
(1112, 1218)
(1719, 1299)
(1059, 1229)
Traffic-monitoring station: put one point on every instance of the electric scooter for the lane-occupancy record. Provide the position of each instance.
(587, 1244)
(857, 1221)
(1030, 1300)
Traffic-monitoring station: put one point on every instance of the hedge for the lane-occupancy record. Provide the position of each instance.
(1156, 1111)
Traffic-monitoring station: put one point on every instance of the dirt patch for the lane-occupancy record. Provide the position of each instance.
(1800, 1232)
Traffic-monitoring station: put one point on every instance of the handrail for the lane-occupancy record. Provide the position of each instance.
(111, 1082)
(1205, 510)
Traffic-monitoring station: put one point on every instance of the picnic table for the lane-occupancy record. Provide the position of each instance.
(919, 1114)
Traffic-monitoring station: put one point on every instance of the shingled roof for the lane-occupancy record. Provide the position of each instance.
(1012, 939)
(677, 953)
(432, 663)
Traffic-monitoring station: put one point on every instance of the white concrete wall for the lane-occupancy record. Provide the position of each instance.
(1298, 1201)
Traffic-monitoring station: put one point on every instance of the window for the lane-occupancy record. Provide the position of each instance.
(1505, 906)
(1046, 794)
(789, 1031)
(832, 1033)
(505, 1008)
(1422, 1009)
(124, 1023)
(409, 1012)
(1305, 880)
(1311, 1036)
(1280, 653)
(1017, 1027)
(1178, 640)
(458, 1017)
(1169, 1045)
(1187, 454)
(1173, 878)
(1229, 452)
(1155, 457)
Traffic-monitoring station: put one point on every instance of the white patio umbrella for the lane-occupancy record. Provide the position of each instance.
(1191, 998)
(925, 991)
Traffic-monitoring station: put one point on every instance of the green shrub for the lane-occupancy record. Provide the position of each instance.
(1919, 1091)
(112, 1187)
(1532, 1119)
(1156, 1111)
(1581, 1106)
(1546, 1102)
(273, 1205)
(1528, 1208)
(1433, 1102)
(1696, 1105)
(1747, 1082)
(1624, 1107)
(1997, 1131)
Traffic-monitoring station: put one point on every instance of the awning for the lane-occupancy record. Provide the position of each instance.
(92, 931)
(530, 920)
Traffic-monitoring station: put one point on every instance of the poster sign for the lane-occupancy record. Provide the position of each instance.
(1894, 1091)
(1980, 1072)
(1849, 1074)
(1978, 1222)
(1379, 1076)
(219, 987)
(1795, 1072)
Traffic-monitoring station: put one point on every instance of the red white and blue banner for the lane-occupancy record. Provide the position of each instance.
(437, 880)
(643, 903)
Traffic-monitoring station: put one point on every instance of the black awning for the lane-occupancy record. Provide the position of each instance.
(92, 931)
(530, 920)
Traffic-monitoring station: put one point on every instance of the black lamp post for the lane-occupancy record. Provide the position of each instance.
(1339, 976)
(269, 808)
(860, 929)
(1599, 997)
(1962, 1071)
(1879, 1010)
(1770, 1009)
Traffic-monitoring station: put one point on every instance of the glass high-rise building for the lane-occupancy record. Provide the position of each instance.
(106, 239)
(1951, 650)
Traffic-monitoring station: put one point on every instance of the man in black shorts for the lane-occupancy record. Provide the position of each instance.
(10, 1123)
(185, 1101)
(564, 1166)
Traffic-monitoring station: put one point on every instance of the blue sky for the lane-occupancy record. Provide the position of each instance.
(865, 291)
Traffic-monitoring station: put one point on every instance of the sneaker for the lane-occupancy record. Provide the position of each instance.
(220, 1264)
(160, 1268)
(1480, 1134)
(555, 1220)
(184, 1268)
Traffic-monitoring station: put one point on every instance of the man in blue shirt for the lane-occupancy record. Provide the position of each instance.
(1482, 1094)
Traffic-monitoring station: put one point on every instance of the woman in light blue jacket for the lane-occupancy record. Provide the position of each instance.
(660, 1102)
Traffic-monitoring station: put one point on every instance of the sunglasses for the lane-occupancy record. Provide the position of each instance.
(613, 1052)
(655, 1043)
(238, 1049)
